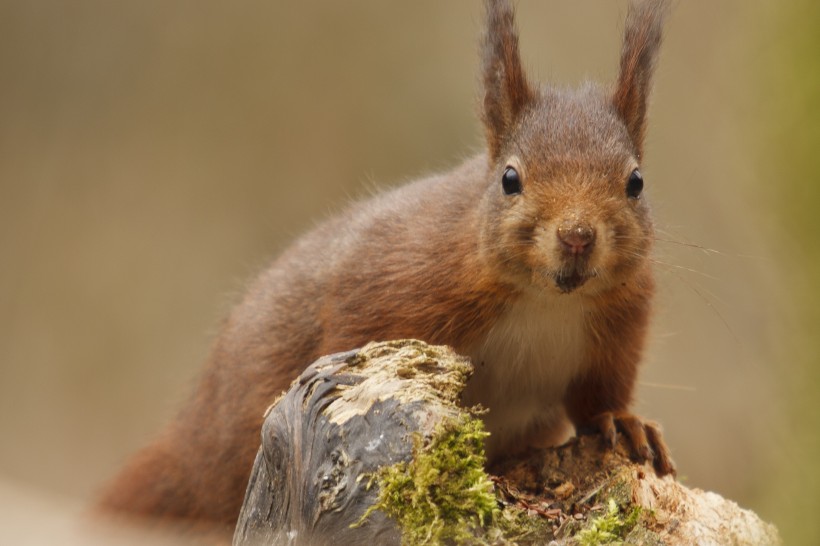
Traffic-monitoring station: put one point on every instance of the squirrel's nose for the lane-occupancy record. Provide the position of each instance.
(576, 239)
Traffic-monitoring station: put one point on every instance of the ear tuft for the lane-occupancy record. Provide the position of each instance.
(506, 90)
(642, 40)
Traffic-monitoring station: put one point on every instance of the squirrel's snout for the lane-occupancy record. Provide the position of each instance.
(576, 239)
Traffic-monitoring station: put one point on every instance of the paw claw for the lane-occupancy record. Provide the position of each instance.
(644, 438)
(605, 424)
(645, 453)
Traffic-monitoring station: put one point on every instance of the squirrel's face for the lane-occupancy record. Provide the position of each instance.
(564, 203)
(566, 210)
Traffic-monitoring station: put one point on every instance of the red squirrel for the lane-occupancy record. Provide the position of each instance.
(531, 258)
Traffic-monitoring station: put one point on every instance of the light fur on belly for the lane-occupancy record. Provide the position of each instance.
(523, 368)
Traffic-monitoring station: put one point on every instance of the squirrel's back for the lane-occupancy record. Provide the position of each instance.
(389, 267)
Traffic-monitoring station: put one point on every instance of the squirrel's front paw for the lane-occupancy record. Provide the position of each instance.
(644, 438)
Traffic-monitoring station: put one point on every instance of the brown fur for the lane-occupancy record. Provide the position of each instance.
(442, 259)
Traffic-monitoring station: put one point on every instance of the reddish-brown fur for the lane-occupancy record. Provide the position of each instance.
(443, 259)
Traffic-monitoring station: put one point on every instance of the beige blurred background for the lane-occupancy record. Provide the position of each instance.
(154, 155)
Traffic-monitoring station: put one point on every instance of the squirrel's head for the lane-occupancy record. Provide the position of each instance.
(564, 208)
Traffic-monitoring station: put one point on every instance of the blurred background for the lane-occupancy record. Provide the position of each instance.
(155, 155)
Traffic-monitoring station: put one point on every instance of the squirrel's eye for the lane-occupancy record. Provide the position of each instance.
(634, 186)
(511, 182)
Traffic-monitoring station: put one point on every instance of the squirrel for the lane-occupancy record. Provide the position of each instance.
(531, 258)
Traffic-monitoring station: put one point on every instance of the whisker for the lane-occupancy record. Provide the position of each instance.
(709, 304)
(686, 388)
(692, 245)
(706, 250)
(683, 268)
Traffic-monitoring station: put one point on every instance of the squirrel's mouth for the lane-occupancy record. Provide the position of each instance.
(572, 277)
(568, 283)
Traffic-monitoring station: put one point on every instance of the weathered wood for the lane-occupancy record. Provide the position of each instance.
(346, 416)
(349, 415)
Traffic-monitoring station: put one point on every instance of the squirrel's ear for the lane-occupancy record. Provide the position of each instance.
(642, 39)
(506, 91)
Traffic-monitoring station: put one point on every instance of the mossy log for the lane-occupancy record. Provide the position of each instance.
(371, 447)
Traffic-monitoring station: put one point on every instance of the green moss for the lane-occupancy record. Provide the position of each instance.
(443, 494)
(514, 525)
(618, 488)
(610, 528)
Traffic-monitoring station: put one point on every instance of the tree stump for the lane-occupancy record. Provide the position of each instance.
(371, 447)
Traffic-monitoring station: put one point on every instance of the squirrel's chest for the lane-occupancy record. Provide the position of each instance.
(539, 343)
(527, 360)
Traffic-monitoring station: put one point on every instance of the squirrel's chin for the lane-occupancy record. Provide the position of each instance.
(569, 283)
